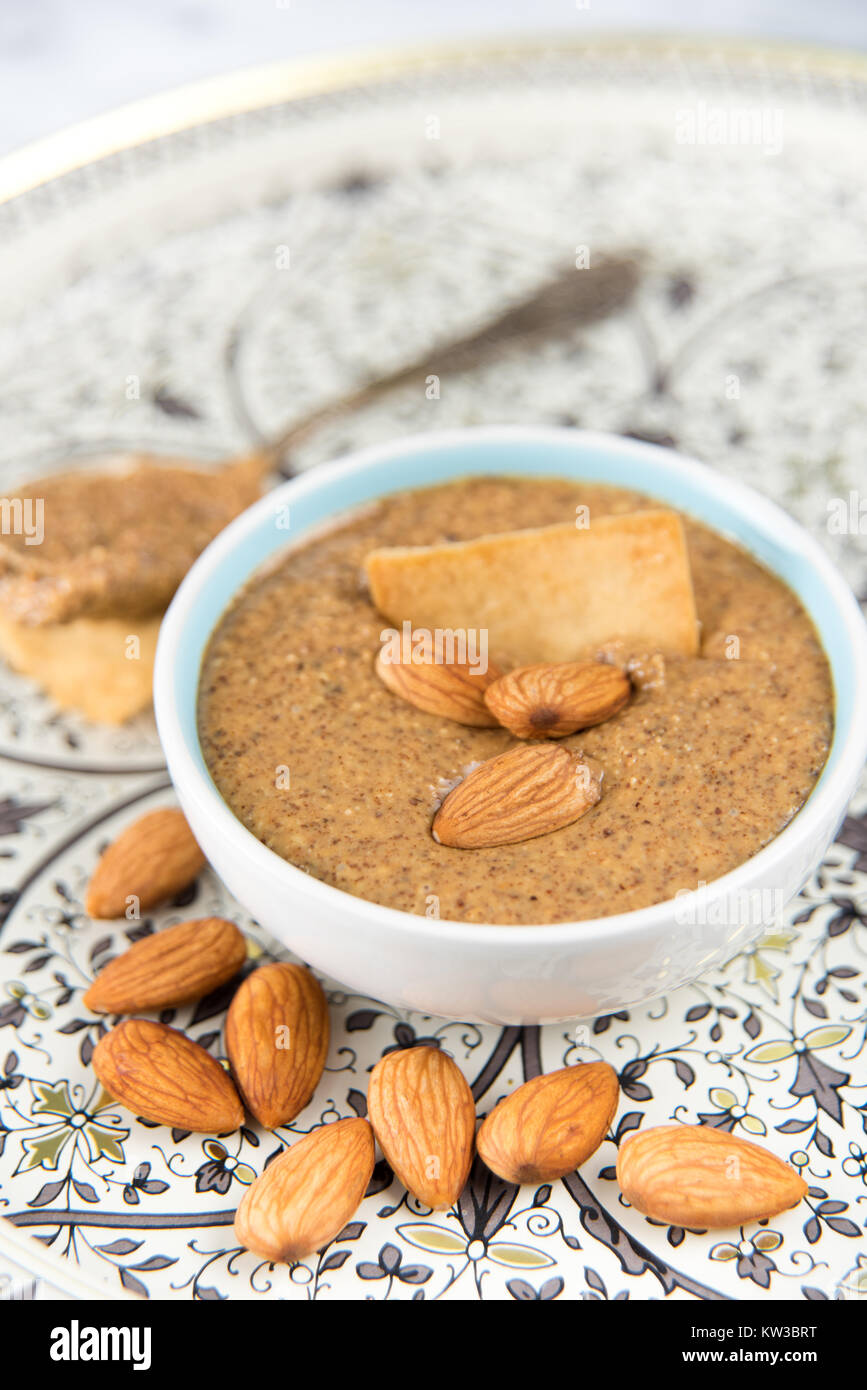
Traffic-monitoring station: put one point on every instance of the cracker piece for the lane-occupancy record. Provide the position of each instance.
(554, 593)
(83, 665)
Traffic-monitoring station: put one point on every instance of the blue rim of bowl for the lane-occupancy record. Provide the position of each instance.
(832, 787)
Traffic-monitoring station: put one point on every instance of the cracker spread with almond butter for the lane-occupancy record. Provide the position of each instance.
(118, 542)
(710, 758)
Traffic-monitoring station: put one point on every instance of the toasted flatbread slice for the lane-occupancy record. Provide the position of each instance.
(553, 593)
(118, 541)
(88, 665)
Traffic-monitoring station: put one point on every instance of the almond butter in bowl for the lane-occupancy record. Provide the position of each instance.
(702, 753)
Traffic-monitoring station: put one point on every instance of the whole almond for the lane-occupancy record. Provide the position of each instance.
(548, 701)
(174, 966)
(703, 1178)
(305, 1197)
(277, 1040)
(152, 859)
(455, 689)
(161, 1075)
(550, 1125)
(528, 791)
(424, 1118)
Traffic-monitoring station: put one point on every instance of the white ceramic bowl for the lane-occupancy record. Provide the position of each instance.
(508, 974)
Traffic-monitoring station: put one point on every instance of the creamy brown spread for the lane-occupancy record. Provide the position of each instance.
(117, 543)
(706, 764)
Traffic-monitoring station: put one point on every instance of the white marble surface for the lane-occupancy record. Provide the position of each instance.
(62, 61)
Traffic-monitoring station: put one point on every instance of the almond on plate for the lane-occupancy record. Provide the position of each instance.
(424, 1117)
(151, 860)
(162, 1075)
(305, 1197)
(551, 1125)
(703, 1178)
(550, 701)
(529, 790)
(454, 689)
(173, 966)
(277, 1039)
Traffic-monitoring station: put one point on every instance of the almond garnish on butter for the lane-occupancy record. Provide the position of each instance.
(551, 701)
(550, 594)
(455, 689)
(530, 790)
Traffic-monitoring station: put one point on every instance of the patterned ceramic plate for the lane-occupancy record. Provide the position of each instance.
(259, 247)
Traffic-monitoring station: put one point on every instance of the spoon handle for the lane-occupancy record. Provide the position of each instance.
(555, 309)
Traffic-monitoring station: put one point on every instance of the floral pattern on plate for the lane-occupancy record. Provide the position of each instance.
(285, 255)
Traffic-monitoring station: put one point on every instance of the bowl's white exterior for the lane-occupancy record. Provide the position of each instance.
(503, 974)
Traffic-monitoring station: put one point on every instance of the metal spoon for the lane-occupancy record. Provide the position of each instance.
(571, 298)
